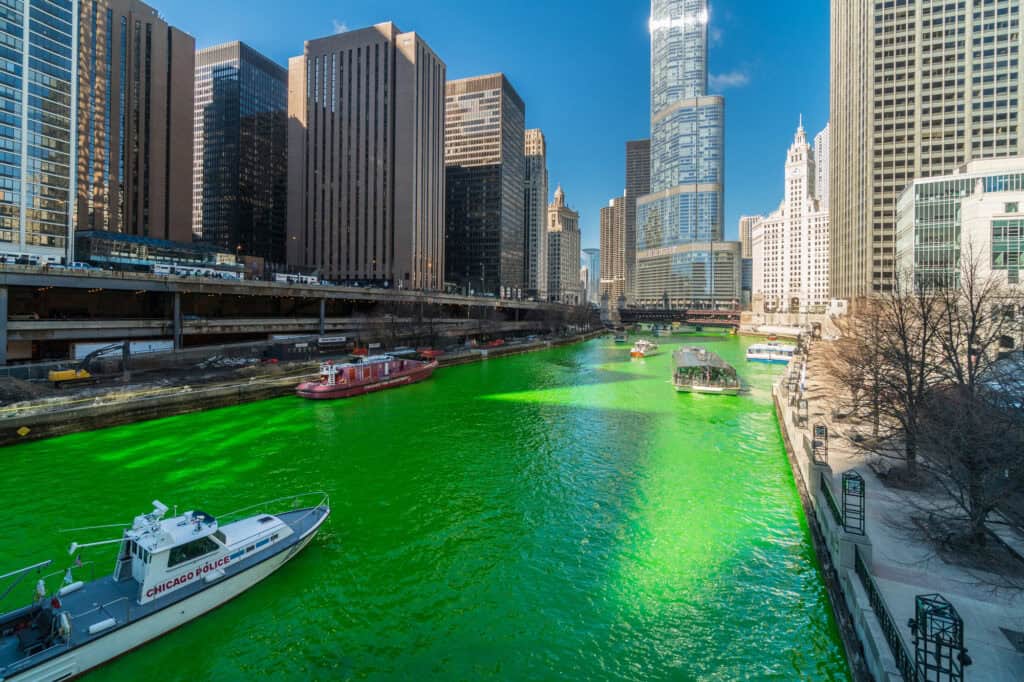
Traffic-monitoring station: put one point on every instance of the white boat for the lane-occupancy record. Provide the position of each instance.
(168, 571)
(643, 349)
(698, 370)
(771, 352)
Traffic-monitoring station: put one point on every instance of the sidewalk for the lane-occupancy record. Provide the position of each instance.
(902, 564)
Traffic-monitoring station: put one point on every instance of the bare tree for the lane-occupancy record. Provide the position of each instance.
(854, 362)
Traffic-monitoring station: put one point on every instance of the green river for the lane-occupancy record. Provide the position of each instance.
(562, 514)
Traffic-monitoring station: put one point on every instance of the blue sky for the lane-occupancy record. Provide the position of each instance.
(583, 68)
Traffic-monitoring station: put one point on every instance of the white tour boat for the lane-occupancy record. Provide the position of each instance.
(168, 571)
(643, 349)
(771, 352)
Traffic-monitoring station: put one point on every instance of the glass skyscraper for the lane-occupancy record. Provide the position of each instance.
(240, 188)
(681, 258)
(38, 72)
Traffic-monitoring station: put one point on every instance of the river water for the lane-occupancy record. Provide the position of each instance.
(558, 514)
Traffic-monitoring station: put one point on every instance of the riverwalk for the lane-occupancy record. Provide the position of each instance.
(881, 564)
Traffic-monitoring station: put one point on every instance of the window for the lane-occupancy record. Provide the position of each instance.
(1011, 207)
(191, 550)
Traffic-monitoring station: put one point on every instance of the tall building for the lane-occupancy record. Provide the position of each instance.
(37, 177)
(975, 215)
(591, 261)
(822, 161)
(790, 256)
(135, 121)
(536, 215)
(682, 260)
(638, 184)
(485, 125)
(918, 90)
(613, 253)
(563, 252)
(747, 224)
(240, 166)
(366, 159)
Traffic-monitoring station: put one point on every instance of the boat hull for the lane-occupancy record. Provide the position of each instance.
(318, 391)
(82, 659)
(770, 361)
(708, 390)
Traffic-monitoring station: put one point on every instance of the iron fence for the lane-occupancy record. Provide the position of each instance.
(831, 500)
(904, 661)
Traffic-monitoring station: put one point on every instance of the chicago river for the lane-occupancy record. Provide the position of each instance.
(563, 510)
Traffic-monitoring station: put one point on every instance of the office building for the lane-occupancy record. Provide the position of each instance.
(973, 215)
(822, 160)
(135, 130)
(485, 159)
(37, 176)
(747, 224)
(790, 256)
(240, 163)
(682, 260)
(638, 184)
(366, 159)
(591, 262)
(536, 215)
(918, 89)
(613, 254)
(563, 252)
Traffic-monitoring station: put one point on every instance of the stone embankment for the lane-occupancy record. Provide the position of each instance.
(874, 564)
(41, 419)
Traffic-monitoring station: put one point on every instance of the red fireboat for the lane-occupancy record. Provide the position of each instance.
(377, 373)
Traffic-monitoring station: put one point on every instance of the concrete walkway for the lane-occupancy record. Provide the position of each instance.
(902, 564)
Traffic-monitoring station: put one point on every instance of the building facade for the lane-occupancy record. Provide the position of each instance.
(135, 121)
(535, 211)
(613, 254)
(638, 184)
(746, 227)
(973, 215)
(563, 252)
(822, 161)
(485, 160)
(918, 90)
(37, 169)
(240, 160)
(591, 262)
(366, 159)
(790, 255)
(682, 260)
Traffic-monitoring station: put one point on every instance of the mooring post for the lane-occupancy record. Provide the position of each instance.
(3, 326)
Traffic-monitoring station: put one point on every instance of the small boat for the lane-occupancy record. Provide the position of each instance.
(662, 331)
(643, 349)
(698, 370)
(168, 572)
(377, 373)
(621, 338)
(771, 352)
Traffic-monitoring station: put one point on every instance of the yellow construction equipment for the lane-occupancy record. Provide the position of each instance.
(82, 373)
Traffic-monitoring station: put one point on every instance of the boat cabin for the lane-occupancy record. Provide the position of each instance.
(164, 555)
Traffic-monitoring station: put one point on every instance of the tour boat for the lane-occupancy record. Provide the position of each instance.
(168, 572)
(774, 353)
(698, 370)
(644, 349)
(377, 373)
(622, 338)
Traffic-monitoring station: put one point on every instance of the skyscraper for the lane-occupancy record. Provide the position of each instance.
(822, 153)
(563, 252)
(135, 121)
(747, 223)
(613, 252)
(638, 184)
(240, 168)
(366, 158)
(536, 214)
(918, 90)
(37, 177)
(485, 126)
(591, 260)
(681, 258)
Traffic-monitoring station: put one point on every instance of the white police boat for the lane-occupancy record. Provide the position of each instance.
(168, 571)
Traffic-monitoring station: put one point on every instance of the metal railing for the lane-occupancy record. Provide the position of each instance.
(831, 500)
(900, 653)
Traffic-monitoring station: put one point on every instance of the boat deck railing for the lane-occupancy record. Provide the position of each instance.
(29, 661)
(312, 501)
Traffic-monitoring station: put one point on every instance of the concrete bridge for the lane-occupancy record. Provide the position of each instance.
(43, 311)
(728, 319)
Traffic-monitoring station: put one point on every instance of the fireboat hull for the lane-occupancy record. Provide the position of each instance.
(319, 391)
